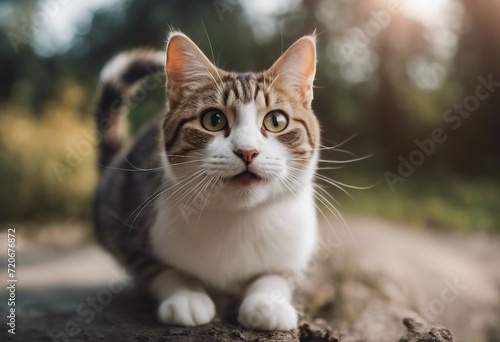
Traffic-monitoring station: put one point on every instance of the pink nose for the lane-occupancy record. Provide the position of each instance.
(247, 155)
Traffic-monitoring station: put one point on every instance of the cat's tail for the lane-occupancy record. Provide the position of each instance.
(119, 80)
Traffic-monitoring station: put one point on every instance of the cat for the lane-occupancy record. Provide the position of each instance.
(244, 146)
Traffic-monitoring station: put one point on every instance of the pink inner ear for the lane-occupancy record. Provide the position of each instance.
(297, 67)
(310, 62)
(175, 57)
(186, 64)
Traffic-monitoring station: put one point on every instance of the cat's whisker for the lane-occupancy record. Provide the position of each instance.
(183, 181)
(272, 83)
(180, 197)
(320, 168)
(325, 202)
(185, 193)
(279, 186)
(292, 183)
(330, 226)
(207, 197)
(297, 181)
(213, 59)
(180, 155)
(356, 187)
(341, 143)
(336, 213)
(158, 192)
(131, 170)
(323, 214)
(187, 162)
(335, 161)
(326, 180)
(332, 149)
(188, 179)
(198, 191)
(163, 154)
(163, 188)
(218, 87)
(331, 182)
(331, 167)
(167, 155)
(284, 182)
(137, 169)
(345, 161)
(192, 193)
(317, 186)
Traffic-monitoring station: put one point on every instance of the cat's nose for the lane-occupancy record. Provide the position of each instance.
(247, 155)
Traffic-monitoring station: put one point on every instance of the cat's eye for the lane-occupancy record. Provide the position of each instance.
(213, 120)
(275, 121)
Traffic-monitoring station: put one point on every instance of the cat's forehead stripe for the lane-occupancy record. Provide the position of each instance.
(236, 93)
(244, 88)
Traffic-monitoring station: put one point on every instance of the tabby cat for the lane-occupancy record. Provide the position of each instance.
(243, 147)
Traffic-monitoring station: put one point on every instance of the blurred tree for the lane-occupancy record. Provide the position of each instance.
(479, 140)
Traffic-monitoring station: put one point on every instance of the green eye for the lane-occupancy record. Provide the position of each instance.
(275, 121)
(213, 120)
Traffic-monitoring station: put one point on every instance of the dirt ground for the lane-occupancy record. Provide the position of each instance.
(364, 281)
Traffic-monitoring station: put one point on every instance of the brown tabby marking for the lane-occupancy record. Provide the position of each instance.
(235, 91)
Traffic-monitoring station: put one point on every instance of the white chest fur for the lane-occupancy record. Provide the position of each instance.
(222, 248)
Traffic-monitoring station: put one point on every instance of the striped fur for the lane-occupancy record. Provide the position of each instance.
(246, 231)
(236, 90)
(119, 79)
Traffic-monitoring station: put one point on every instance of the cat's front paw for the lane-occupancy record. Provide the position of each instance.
(187, 308)
(262, 312)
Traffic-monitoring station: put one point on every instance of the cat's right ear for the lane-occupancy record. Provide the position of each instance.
(186, 67)
(296, 68)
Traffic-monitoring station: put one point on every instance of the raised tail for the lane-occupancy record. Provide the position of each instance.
(119, 79)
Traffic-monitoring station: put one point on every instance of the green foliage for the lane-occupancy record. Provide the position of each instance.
(452, 204)
(47, 164)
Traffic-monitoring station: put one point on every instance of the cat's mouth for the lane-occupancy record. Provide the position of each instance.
(245, 178)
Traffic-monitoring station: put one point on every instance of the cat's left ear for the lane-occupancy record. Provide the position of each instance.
(296, 68)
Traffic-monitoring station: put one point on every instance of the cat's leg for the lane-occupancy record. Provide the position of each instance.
(183, 301)
(267, 304)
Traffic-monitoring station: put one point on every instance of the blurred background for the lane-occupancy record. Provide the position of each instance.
(413, 83)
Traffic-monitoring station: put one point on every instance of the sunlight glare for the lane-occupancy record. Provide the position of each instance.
(429, 12)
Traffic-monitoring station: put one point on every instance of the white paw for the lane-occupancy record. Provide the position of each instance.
(261, 312)
(187, 308)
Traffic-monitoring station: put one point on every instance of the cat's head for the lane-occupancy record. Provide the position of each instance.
(244, 138)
